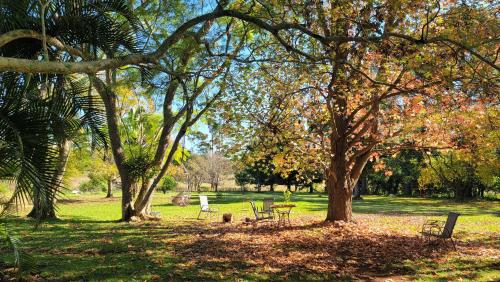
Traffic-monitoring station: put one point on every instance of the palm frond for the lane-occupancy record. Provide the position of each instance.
(22, 260)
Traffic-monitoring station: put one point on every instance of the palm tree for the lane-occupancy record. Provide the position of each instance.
(66, 104)
(32, 127)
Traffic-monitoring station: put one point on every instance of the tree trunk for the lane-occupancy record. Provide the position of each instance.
(339, 190)
(271, 187)
(127, 201)
(341, 179)
(408, 188)
(215, 187)
(129, 208)
(110, 189)
(311, 188)
(148, 209)
(339, 202)
(357, 191)
(360, 188)
(142, 204)
(49, 211)
(109, 98)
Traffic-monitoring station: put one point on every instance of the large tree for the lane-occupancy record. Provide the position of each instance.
(187, 82)
(370, 71)
(69, 98)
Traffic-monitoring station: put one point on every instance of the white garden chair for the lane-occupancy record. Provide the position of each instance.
(204, 207)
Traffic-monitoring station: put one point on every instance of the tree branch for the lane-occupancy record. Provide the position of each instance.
(34, 66)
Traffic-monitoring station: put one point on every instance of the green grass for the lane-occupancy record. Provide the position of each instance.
(88, 244)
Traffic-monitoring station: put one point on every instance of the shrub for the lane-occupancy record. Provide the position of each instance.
(94, 184)
(242, 179)
(168, 183)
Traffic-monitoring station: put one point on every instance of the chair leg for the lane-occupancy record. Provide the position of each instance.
(199, 214)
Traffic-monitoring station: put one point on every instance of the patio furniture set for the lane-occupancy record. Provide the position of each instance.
(271, 211)
(280, 214)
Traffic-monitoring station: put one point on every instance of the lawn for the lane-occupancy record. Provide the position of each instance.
(87, 243)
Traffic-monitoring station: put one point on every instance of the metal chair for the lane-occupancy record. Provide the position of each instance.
(266, 207)
(244, 208)
(204, 207)
(440, 229)
(258, 215)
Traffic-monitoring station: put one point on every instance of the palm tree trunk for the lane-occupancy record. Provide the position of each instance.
(48, 211)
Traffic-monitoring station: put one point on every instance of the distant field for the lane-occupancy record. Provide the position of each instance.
(87, 243)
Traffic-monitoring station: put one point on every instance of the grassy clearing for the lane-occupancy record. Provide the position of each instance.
(87, 243)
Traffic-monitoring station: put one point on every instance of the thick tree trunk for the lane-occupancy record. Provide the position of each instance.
(339, 189)
(127, 201)
(339, 199)
(44, 214)
(341, 179)
(271, 187)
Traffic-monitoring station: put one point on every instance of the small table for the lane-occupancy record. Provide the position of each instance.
(283, 211)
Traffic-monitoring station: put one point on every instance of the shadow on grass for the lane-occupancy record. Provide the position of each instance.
(457, 269)
(83, 249)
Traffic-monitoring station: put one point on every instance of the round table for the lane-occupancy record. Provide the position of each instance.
(283, 211)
